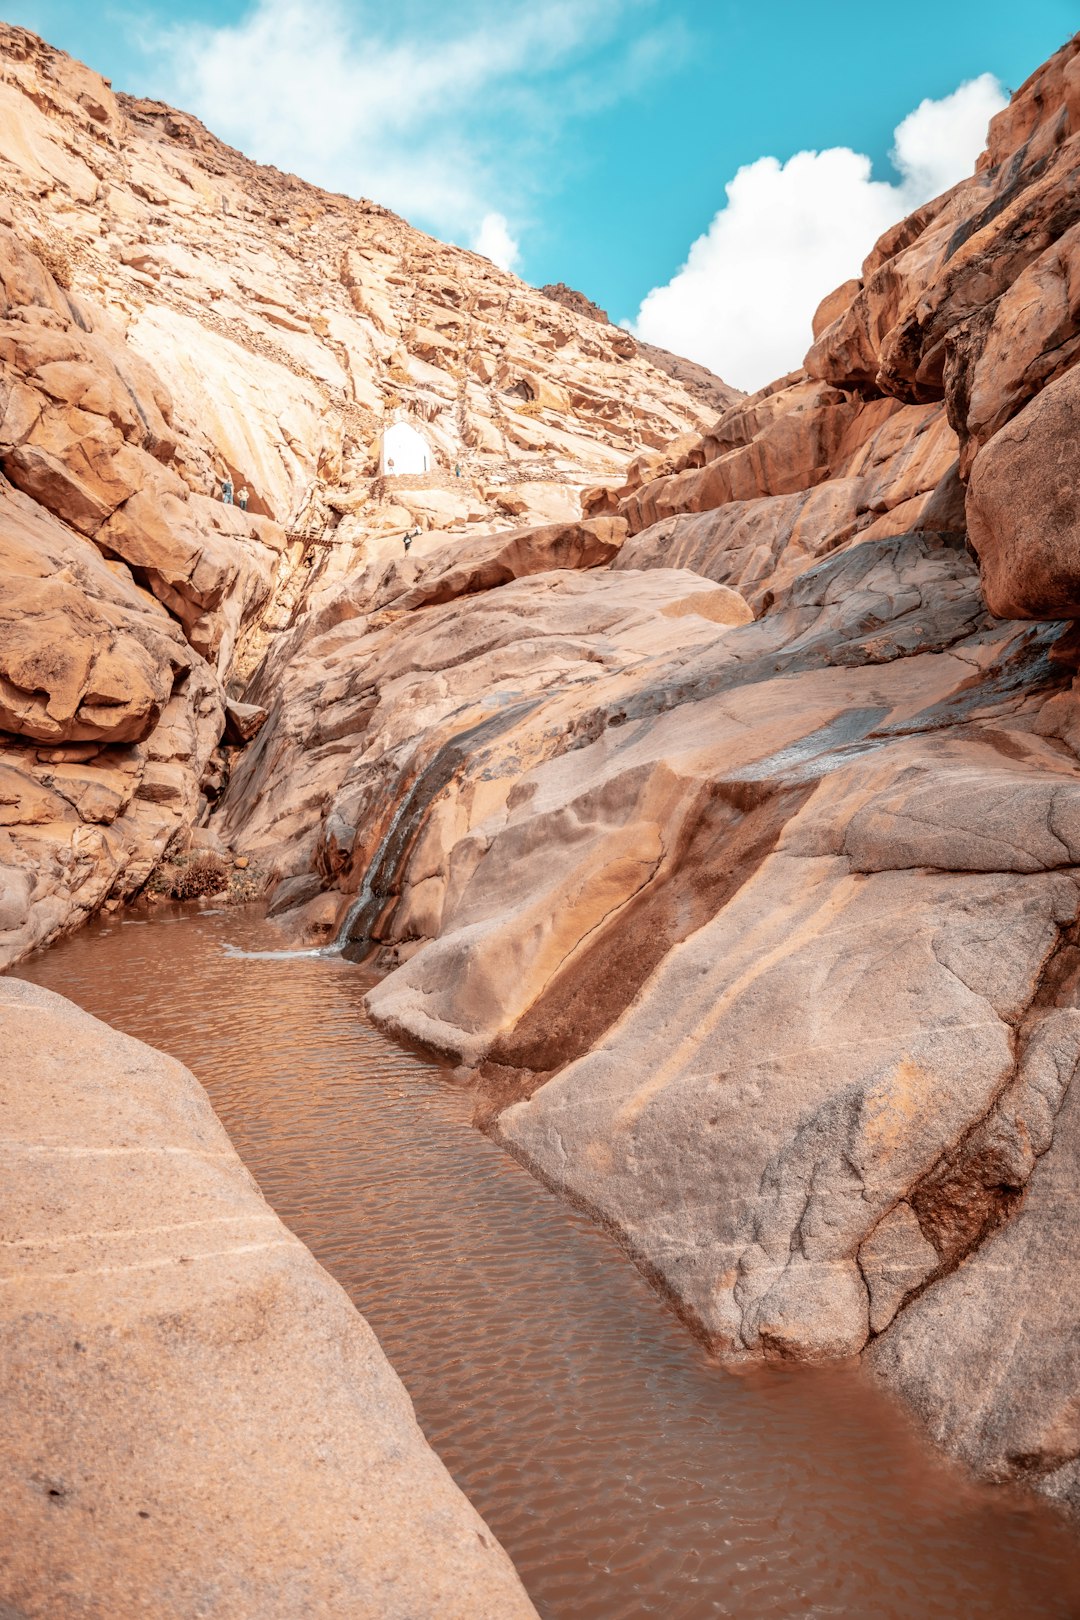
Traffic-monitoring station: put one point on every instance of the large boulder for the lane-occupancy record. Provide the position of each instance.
(1023, 508)
(193, 1412)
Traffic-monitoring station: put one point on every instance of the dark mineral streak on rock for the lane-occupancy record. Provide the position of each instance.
(706, 770)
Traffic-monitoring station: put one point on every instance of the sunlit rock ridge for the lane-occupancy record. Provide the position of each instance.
(174, 315)
(724, 828)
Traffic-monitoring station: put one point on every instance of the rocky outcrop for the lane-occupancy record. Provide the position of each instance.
(203, 1417)
(288, 325)
(722, 832)
(927, 375)
(171, 314)
(758, 938)
(696, 379)
(992, 1369)
(486, 561)
(124, 596)
(83, 432)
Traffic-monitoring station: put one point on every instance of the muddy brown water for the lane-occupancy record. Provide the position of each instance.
(625, 1473)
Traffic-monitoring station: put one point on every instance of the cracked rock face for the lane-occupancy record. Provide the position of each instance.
(710, 819)
(760, 939)
(988, 1356)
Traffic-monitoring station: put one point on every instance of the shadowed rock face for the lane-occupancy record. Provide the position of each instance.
(254, 1443)
(759, 939)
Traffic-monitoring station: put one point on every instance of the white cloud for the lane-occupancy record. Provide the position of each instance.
(790, 232)
(494, 241)
(424, 108)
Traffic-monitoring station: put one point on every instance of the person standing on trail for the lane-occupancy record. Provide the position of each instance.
(242, 497)
(227, 490)
(408, 538)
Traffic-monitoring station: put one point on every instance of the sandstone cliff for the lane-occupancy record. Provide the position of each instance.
(728, 835)
(172, 314)
(760, 939)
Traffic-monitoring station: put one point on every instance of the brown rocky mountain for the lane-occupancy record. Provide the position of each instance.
(173, 314)
(724, 832)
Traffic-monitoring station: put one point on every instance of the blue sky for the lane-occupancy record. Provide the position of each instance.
(592, 141)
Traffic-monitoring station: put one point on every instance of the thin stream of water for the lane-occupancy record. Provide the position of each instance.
(625, 1473)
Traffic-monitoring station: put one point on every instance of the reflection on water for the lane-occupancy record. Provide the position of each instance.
(625, 1474)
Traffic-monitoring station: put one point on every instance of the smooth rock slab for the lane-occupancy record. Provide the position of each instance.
(989, 1356)
(193, 1418)
(1023, 508)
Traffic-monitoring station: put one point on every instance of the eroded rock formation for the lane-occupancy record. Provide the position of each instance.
(718, 824)
(255, 1453)
(171, 314)
(759, 938)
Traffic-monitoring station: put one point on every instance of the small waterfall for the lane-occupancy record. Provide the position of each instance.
(366, 906)
(424, 788)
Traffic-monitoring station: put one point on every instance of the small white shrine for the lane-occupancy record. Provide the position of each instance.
(404, 452)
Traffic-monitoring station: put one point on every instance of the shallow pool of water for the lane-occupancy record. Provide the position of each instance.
(626, 1474)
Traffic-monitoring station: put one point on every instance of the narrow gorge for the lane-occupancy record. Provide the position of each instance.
(684, 782)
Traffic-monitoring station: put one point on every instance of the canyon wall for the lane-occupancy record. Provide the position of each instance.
(172, 315)
(706, 774)
(738, 871)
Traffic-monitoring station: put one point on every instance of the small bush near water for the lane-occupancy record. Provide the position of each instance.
(188, 877)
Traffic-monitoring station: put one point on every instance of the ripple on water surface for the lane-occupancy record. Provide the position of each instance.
(626, 1474)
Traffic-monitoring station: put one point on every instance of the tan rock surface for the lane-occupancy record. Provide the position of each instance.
(85, 656)
(1024, 507)
(83, 432)
(489, 560)
(108, 717)
(988, 1356)
(760, 944)
(194, 1411)
(169, 314)
(759, 936)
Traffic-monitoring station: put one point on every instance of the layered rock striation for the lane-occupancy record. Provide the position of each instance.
(172, 316)
(739, 871)
(722, 823)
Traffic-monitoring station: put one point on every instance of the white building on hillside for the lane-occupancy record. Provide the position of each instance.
(404, 451)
